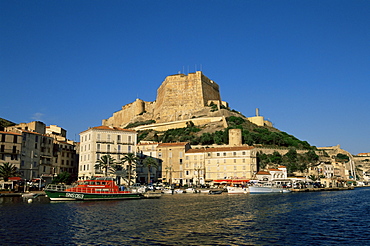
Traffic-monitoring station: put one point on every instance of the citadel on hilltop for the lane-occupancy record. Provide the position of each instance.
(179, 98)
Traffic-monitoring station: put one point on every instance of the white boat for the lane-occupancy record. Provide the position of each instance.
(266, 188)
(190, 190)
(237, 190)
(204, 191)
(167, 191)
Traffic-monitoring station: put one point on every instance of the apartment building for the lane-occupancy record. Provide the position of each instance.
(144, 150)
(211, 164)
(10, 148)
(103, 140)
(37, 153)
(172, 156)
(42, 151)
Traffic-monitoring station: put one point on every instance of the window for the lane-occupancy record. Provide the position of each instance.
(129, 139)
(98, 137)
(234, 153)
(119, 148)
(3, 138)
(15, 139)
(160, 154)
(224, 153)
(243, 153)
(108, 138)
(98, 147)
(180, 161)
(118, 138)
(108, 147)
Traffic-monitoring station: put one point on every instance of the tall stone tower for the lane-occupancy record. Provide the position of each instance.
(180, 95)
(235, 137)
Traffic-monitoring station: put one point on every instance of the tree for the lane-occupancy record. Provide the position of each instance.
(64, 177)
(150, 162)
(105, 162)
(130, 158)
(8, 170)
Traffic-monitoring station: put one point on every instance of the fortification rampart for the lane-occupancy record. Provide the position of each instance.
(179, 97)
(181, 124)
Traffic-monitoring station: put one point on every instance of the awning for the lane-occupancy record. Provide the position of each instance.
(233, 181)
(15, 179)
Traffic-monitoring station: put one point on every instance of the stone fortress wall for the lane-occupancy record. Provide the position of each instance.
(179, 97)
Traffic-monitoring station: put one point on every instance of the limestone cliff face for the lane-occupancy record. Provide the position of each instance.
(179, 97)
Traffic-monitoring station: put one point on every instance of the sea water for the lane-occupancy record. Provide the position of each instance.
(312, 218)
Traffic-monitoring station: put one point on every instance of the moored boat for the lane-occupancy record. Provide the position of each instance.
(94, 189)
(215, 192)
(237, 190)
(266, 188)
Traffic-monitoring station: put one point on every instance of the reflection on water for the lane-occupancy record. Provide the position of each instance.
(323, 218)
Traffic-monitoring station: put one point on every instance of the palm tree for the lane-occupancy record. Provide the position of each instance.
(150, 162)
(8, 170)
(105, 162)
(130, 158)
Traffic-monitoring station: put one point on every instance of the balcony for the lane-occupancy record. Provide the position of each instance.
(9, 151)
(106, 141)
(114, 152)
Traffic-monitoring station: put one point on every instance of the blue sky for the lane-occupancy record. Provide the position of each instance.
(304, 64)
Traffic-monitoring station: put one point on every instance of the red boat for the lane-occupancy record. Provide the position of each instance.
(93, 189)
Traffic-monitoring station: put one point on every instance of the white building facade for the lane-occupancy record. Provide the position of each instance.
(103, 140)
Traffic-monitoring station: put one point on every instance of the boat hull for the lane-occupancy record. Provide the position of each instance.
(237, 190)
(77, 196)
(260, 189)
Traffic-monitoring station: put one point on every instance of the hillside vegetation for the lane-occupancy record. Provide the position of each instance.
(251, 135)
(5, 123)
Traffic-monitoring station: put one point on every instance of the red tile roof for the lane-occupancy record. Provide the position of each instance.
(220, 149)
(11, 133)
(163, 145)
(263, 173)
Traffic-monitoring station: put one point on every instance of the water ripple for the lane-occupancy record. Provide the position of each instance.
(324, 218)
